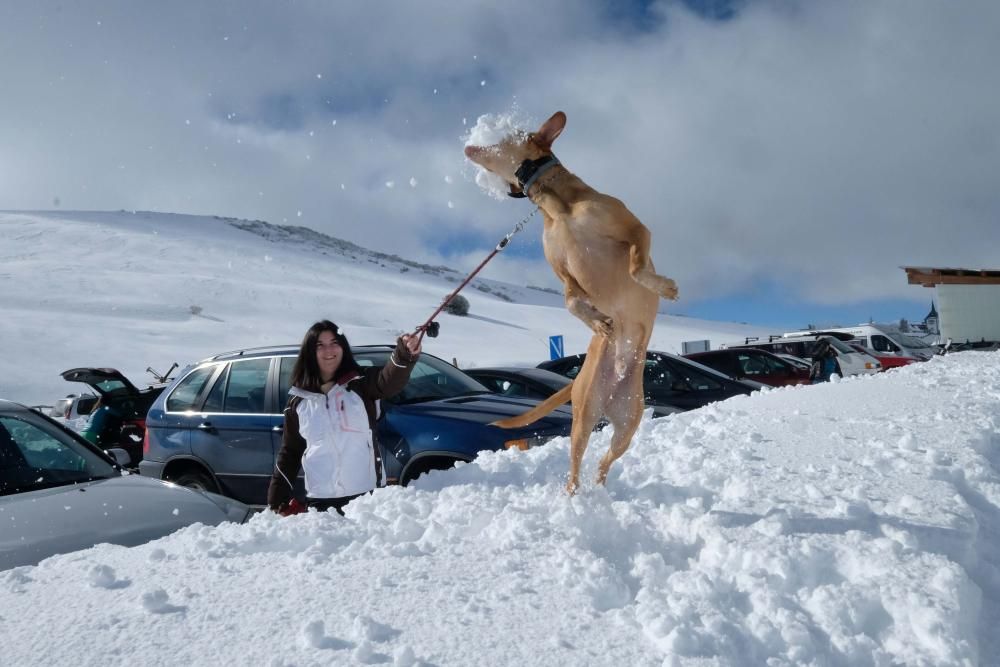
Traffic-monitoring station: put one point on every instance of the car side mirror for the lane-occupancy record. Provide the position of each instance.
(120, 456)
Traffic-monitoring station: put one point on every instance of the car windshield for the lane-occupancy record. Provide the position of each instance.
(35, 454)
(907, 341)
(431, 378)
(840, 346)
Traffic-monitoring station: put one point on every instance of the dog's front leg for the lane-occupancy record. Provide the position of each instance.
(579, 305)
(641, 268)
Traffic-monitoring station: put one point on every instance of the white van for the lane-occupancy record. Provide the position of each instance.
(851, 361)
(882, 340)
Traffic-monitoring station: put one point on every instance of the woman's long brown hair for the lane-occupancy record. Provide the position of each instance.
(306, 374)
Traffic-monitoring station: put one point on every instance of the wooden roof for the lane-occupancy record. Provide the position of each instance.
(930, 277)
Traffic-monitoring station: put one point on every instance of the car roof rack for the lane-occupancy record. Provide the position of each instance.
(251, 350)
(278, 348)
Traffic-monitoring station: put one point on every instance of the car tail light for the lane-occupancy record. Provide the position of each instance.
(69, 408)
(145, 442)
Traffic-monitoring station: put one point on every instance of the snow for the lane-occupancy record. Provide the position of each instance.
(850, 523)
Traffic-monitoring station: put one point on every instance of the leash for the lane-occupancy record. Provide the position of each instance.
(430, 327)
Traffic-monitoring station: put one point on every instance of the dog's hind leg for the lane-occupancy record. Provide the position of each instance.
(624, 411)
(641, 268)
(588, 404)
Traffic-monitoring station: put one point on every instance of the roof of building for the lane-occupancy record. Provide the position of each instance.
(931, 277)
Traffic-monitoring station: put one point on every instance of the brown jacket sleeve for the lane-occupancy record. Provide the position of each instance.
(392, 377)
(289, 462)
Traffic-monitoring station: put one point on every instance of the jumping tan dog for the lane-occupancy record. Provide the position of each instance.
(600, 251)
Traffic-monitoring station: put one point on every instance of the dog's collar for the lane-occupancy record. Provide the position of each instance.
(529, 172)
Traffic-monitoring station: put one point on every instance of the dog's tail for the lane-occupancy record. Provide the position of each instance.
(534, 414)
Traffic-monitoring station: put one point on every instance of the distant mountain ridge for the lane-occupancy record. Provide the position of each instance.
(297, 234)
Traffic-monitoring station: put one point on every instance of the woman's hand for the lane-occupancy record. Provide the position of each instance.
(412, 344)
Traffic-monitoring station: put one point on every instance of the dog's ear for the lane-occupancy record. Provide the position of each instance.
(550, 130)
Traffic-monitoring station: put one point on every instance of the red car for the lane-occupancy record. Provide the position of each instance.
(750, 364)
(887, 360)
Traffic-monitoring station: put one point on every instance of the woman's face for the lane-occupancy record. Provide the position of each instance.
(328, 355)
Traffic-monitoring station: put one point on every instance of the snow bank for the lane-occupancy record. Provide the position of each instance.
(852, 523)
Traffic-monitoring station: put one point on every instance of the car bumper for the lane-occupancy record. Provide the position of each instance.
(152, 469)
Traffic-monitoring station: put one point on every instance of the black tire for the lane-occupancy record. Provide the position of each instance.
(426, 466)
(195, 479)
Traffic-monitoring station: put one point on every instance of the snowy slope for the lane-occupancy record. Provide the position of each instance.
(848, 524)
(131, 290)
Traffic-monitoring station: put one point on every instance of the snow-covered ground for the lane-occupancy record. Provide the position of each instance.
(850, 523)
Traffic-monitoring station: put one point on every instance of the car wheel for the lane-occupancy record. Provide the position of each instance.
(194, 479)
(426, 465)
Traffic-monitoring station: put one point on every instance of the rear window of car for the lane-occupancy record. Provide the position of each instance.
(188, 390)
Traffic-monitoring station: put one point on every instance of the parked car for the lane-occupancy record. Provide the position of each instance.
(670, 380)
(882, 340)
(120, 418)
(73, 406)
(219, 425)
(60, 493)
(851, 361)
(885, 360)
(751, 364)
(537, 383)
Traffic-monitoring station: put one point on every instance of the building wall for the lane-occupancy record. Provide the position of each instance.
(969, 312)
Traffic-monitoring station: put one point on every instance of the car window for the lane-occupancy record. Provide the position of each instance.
(883, 344)
(659, 377)
(285, 380)
(752, 364)
(774, 365)
(495, 384)
(246, 385)
(570, 371)
(694, 378)
(431, 378)
(32, 458)
(187, 390)
(216, 397)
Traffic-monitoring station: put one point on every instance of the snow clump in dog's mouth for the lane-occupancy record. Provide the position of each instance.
(491, 129)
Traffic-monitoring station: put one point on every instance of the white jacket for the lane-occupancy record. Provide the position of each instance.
(339, 459)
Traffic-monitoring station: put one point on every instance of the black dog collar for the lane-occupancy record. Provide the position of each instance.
(528, 173)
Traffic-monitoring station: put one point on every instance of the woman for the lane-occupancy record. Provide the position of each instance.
(330, 421)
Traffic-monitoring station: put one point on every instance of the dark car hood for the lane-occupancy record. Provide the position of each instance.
(126, 510)
(488, 408)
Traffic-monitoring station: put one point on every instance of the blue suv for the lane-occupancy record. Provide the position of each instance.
(218, 427)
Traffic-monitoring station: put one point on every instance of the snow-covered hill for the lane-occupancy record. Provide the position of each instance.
(132, 290)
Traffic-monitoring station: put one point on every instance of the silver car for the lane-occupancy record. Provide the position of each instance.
(59, 493)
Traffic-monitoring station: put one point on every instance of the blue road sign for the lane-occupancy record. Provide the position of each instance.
(555, 347)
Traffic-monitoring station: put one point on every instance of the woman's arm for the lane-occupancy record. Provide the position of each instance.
(392, 377)
(289, 461)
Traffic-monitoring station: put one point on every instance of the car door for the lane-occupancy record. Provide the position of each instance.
(233, 435)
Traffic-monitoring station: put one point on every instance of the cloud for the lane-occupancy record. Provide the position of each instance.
(816, 145)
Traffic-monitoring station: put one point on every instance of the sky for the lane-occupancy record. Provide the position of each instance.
(853, 523)
(788, 156)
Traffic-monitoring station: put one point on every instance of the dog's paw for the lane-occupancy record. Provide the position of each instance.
(667, 288)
